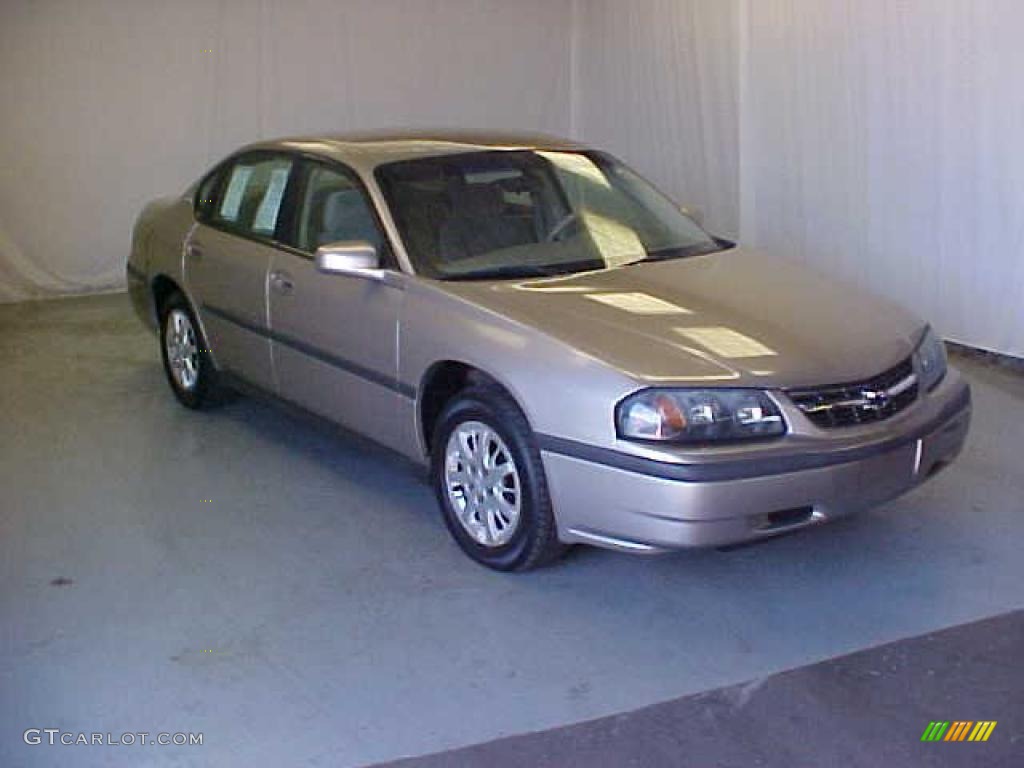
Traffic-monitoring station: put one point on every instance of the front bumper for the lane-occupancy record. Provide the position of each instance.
(639, 505)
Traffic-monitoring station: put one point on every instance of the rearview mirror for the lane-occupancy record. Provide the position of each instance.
(694, 213)
(356, 258)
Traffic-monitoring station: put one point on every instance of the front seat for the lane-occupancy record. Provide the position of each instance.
(477, 223)
(345, 216)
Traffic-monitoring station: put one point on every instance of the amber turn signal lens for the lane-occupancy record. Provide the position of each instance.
(672, 419)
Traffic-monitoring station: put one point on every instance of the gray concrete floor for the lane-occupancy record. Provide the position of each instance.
(868, 709)
(291, 593)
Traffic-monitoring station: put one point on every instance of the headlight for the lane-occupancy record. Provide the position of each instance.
(930, 360)
(698, 415)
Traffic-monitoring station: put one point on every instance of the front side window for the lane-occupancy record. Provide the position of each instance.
(522, 213)
(334, 208)
(251, 196)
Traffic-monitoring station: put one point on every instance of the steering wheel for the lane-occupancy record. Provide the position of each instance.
(556, 230)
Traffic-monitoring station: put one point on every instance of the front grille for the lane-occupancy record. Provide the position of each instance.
(862, 402)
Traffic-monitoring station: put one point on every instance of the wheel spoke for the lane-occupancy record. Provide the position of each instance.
(488, 451)
(457, 478)
(478, 448)
(466, 448)
(478, 521)
(497, 475)
(469, 511)
(509, 509)
(487, 518)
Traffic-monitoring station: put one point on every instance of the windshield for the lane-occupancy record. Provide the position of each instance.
(520, 213)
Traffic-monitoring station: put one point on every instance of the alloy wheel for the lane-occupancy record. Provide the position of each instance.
(182, 350)
(482, 483)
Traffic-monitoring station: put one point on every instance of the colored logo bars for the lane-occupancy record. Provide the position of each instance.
(959, 730)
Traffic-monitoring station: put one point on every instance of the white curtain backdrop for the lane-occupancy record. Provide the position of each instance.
(876, 139)
(109, 103)
(882, 141)
(656, 84)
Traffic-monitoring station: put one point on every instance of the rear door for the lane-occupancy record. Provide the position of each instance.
(228, 257)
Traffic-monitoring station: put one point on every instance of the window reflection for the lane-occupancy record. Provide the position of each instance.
(639, 303)
(726, 342)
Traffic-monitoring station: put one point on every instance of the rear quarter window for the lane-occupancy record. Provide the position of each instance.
(206, 195)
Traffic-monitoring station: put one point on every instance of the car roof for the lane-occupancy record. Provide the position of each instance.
(371, 149)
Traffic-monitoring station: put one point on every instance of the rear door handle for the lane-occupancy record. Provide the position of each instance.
(281, 282)
(193, 251)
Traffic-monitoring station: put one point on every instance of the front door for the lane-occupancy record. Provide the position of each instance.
(228, 258)
(335, 336)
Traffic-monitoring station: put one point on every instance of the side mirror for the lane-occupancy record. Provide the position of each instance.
(694, 213)
(355, 258)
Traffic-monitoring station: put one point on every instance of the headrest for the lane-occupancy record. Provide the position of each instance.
(339, 207)
(476, 199)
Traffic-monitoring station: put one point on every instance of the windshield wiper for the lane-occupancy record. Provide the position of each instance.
(508, 272)
(681, 253)
(513, 271)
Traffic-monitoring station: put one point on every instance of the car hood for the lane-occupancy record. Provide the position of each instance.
(736, 317)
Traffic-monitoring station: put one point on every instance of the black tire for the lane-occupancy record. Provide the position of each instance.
(208, 390)
(534, 542)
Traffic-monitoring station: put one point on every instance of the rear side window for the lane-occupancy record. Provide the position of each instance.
(251, 195)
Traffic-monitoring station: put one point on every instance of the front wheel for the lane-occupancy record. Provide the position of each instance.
(490, 483)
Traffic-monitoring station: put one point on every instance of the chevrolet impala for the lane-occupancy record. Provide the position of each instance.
(571, 354)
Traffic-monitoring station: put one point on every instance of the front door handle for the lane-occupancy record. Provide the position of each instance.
(281, 282)
(193, 251)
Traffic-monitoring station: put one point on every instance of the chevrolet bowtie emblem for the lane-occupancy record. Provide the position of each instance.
(874, 399)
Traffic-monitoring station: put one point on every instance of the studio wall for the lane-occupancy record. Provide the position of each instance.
(657, 84)
(109, 103)
(881, 141)
(872, 139)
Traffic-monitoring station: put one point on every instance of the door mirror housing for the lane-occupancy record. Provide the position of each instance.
(355, 258)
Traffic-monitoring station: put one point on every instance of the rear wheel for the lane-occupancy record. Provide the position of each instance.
(187, 362)
(490, 483)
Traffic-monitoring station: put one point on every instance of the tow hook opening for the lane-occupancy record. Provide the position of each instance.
(785, 518)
